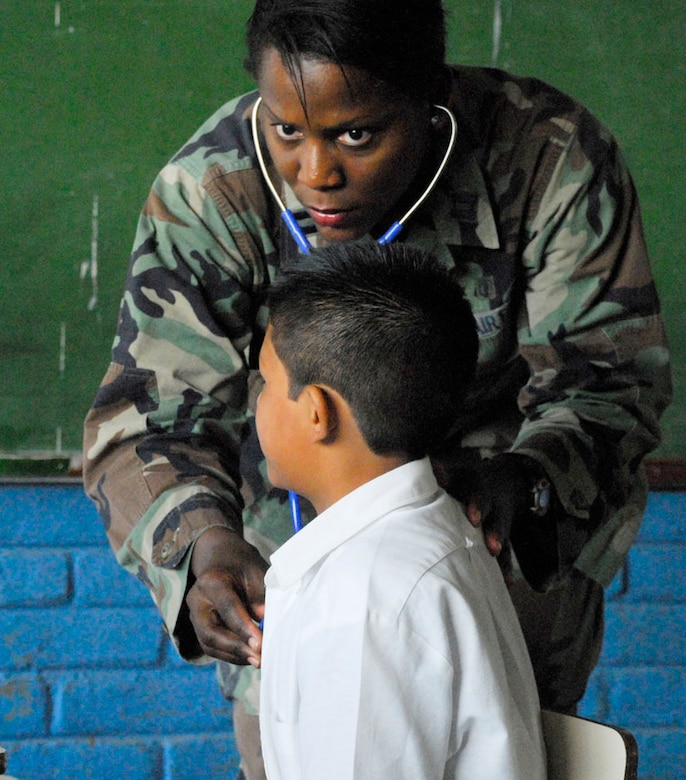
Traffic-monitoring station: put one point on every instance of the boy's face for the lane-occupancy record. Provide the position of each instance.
(280, 423)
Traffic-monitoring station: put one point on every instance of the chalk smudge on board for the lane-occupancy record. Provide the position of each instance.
(63, 348)
(90, 267)
(502, 13)
(58, 18)
(497, 31)
(62, 366)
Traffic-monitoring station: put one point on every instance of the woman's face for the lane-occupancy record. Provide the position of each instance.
(353, 153)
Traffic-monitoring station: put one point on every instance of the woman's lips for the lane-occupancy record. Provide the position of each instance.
(330, 218)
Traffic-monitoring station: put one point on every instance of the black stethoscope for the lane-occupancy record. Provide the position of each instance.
(304, 245)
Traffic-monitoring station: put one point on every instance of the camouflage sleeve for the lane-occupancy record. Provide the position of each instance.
(161, 455)
(593, 337)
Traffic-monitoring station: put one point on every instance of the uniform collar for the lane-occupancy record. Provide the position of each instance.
(459, 212)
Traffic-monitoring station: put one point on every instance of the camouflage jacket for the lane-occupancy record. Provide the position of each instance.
(539, 217)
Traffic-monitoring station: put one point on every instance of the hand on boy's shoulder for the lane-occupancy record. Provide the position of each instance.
(494, 492)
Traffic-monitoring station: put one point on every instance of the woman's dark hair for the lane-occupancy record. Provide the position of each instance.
(389, 329)
(401, 42)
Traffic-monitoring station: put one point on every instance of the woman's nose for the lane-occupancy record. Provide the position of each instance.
(319, 167)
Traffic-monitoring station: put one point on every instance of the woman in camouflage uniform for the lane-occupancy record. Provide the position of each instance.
(538, 217)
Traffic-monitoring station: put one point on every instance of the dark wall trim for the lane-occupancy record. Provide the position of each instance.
(668, 474)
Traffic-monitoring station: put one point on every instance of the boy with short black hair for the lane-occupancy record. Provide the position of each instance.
(391, 648)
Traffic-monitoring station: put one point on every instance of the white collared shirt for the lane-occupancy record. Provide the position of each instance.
(391, 647)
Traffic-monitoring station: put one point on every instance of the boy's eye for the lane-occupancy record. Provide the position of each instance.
(287, 132)
(355, 137)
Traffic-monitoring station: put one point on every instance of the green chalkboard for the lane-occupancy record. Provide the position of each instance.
(98, 94)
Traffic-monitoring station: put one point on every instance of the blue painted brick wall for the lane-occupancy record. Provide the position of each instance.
(640, 681)
(91, 688)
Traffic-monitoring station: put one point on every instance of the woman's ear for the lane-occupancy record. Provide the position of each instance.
(322, 413)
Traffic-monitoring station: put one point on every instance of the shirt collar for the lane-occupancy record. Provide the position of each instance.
(413, 482)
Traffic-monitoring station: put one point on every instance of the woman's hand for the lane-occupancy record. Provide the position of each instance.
(227, 599)
(499, 495)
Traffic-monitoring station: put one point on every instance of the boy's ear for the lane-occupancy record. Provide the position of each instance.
(323, 415)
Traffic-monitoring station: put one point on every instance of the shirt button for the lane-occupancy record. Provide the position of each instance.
(166, 550)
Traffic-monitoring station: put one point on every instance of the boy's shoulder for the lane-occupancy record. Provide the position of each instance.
(430, 547)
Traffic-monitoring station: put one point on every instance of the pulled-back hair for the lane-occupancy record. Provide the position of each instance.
(401, 42)
(389, 329)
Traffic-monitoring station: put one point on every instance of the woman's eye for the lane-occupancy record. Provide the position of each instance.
(355, 137)
(287, 132)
